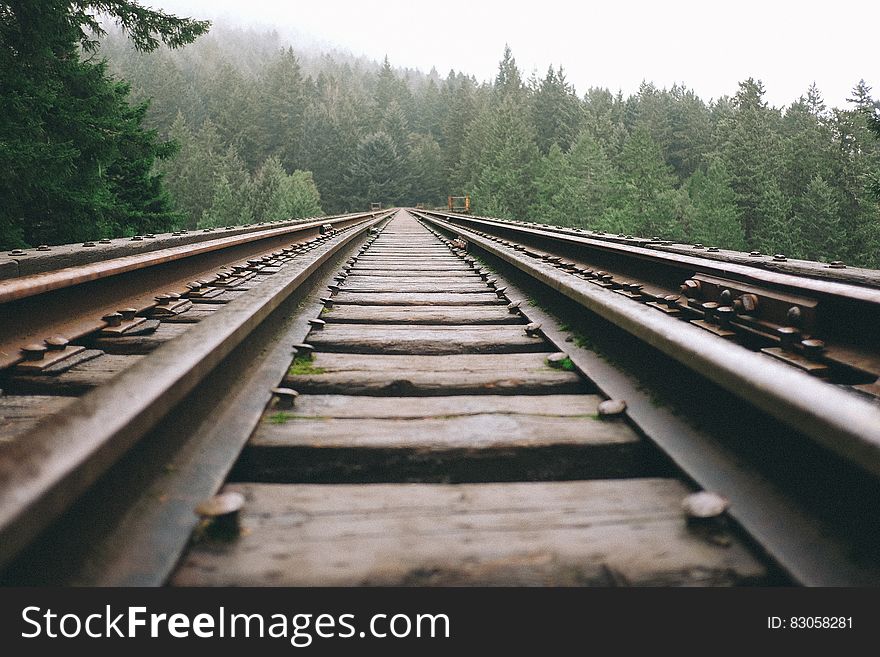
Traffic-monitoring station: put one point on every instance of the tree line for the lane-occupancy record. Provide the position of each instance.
(734, 172)
(262, 131)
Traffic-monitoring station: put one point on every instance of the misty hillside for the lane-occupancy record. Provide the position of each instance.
(262, 130)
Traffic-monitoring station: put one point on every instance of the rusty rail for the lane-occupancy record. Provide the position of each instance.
(71, 302)
(43, 475)
(837, 419)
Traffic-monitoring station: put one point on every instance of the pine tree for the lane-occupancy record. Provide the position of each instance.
(280, 110)
(300, 196)
(752, 154)
(690, 132)
(395, 125)
(330, 140)
(265, 195)
(556, 190)
(460, 95)
(225, 205)
(604, 120)
(594, 173)
(644, 200)
(508, 81)
(775, 231)
(426, 171)
(713, 216)
(857, 167)
(378, 172)
(818, 222)
(556, 111)
(505, 179)
(77, 163)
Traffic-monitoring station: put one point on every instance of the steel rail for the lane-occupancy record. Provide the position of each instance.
(623, 252)
(836, 419)
(44, 472)
(808, 551)
(26, 286)
(72, 301)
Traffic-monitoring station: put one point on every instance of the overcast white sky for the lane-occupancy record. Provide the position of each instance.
(707, 44)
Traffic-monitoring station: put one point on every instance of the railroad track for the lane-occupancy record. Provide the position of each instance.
(381, 407)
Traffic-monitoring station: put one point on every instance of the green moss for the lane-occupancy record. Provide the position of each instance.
(565, 365)
(302, 366)
(283, 417)
(279, 418)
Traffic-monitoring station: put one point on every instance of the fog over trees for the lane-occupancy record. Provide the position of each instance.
(245, 128)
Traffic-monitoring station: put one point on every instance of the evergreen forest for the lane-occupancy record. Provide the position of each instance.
(148, 122)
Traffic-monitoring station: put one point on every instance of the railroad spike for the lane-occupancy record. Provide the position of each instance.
(113, 319)
(611, 408)
(56, 343)
(34, 351)
(532, 329)
(285, 397)
(558, 360)
(221, 513)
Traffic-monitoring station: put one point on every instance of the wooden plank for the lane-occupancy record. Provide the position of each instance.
(78, 379)
(20, 413)
(404, 250)
(462, 286)
(407, 271)
(141, 344)
(392, 263)
(319, 407)
(337, 438)
(192, 316)
(446, 264)
(411, 256)
(414, 278)
(418, 299)
(507, 374)
(424, 340)
(578, 533)
(420, 315)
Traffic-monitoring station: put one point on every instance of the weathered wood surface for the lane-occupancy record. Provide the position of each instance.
(418, 299)
(603, 533)
(415, 251)
(140, 344)
(414, 262)
(450, 439)
(422, 270)
(320, 407)
(461, 286)
(424, 340)
(394, 278)
(483, 422)
(20, 413)
(454, 315)
(78, 379)
(192, 316)
(506, 374)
